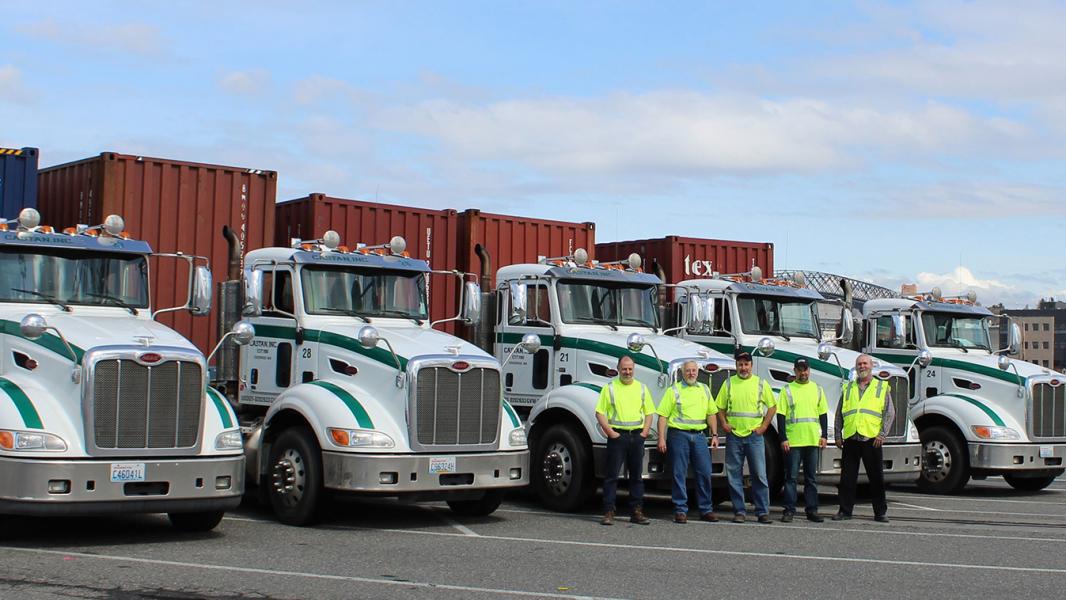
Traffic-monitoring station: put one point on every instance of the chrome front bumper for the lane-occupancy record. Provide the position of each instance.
(183, 485)
(407, 473)
(1014, 458)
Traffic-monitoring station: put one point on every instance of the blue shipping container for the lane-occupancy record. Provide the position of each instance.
(18, 180)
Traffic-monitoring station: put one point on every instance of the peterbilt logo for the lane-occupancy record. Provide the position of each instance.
(149, 358)
(460, 366)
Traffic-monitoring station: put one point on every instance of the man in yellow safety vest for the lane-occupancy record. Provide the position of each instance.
(802, 424)
(745, 408)
(863, 418)
(686, 411)
(624, 413)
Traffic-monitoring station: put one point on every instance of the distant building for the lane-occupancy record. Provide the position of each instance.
(1043, 333)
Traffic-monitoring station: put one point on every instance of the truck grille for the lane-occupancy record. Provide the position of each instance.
(1048, 411)
(457, 408)
(715, 380)
(901, 395)
(136, 406)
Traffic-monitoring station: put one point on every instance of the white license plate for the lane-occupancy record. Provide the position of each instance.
(1046, 452)
(441, 464)
(122, 472)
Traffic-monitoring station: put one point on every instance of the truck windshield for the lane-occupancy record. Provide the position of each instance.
(608, 304)
(949, 330)
(64, 277)
(786, 317)
(364, 292)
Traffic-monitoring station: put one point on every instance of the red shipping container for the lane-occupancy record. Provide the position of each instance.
(514, 240)
(684, 258)
(176, 207)
(430, 235)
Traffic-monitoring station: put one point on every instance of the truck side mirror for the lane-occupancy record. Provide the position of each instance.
(765, 347)
(530, 343)
(253, 289)
(696, 314)
(898, 334)
(33, 326)
(1015, 339)
(925, 358)
(471, 303)
(200, 299)
(847, 326)
(518, 301)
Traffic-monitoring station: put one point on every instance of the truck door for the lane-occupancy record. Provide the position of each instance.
(528, 377)
(268, 364)
(900, 348)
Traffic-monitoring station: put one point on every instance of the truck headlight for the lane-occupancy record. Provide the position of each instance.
(361, 438)
(986, 432)
(229, 440)
(31, 440)
(517, 437)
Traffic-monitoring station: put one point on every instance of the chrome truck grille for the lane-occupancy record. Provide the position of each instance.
(456, 408)
(1048, 411)
(715, 380)
(136, 406)
(901, 395)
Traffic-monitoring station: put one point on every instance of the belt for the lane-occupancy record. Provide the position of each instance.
(637, 430)
(687, 430)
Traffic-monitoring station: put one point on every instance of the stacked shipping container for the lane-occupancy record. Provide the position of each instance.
(683, 258)
(18, 180)
(174, 206)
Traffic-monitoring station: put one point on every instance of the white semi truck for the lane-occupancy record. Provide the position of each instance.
(347, 388)
(777, 321)
(102, 409)
(979, 412)
(578, 318)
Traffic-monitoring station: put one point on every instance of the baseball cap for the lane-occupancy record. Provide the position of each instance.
(742, 355)
(801, 363)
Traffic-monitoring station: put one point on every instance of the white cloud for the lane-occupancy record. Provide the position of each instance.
(969, 200)
(958, 282)
(250, 83)
(12, 89)
(139, 39)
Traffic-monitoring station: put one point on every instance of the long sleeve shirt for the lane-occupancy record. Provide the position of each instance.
(888, 415)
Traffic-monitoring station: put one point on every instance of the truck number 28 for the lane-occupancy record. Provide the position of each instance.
(305, 353)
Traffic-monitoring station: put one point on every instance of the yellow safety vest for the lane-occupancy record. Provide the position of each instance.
(744, 412)
(862, 415)
(625, 413)
(801, 421)
(678, 420)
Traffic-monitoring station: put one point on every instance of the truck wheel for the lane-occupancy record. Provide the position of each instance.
(1028, 484)
(775, 465)
(562, 469)
(482, 507)
(196, 521)
(945, 465)
(294, 477)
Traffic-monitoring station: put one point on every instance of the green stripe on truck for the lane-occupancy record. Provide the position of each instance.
(360, 414)
(30, 418)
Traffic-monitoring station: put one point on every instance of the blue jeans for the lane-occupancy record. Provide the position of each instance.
(809, 455)
(751, 448)
(627, 449)
(683, 447)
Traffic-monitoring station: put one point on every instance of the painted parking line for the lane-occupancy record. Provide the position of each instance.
(323, 576)
(739, 553)
(898, 503)
(970, 498)
(450, 521)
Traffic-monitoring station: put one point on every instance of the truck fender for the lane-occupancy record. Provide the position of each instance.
(326, 404)
(964, 410)
(577, 399)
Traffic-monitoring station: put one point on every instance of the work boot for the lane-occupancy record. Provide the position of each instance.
(680, 517)
(841, 517)
(710, 517)
(638, 517)
(608, 518)
(814, 517)
(739, 518)
(765, 519)
(787, 516)
(881, 518)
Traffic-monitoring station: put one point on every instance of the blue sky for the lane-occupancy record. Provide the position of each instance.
(903, 141)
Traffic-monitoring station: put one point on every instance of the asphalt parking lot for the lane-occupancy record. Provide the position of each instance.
(989, 541)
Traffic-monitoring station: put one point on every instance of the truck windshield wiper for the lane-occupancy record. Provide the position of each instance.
(114, 300)
(398, 313)
(343, 311)
(47, 297)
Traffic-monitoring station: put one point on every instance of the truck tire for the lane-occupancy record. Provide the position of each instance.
(946, 463)
(775, 464)
(482, 507)
(196, 521)
(562, 469)
(294, 477)
(1029, 484)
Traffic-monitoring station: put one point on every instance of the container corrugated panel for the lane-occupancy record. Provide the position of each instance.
(430, 235)
(175, 206)
(514, 240)
(18, 180)
(684, 258)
